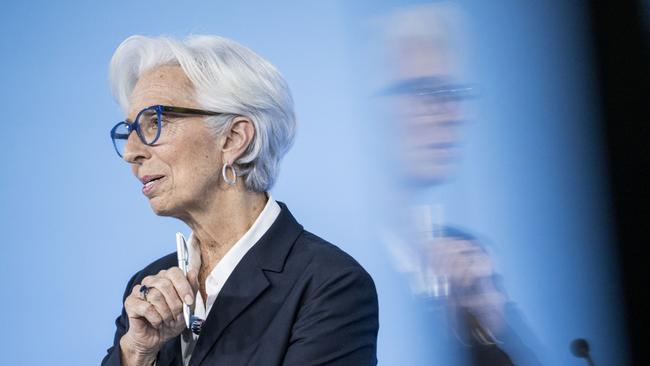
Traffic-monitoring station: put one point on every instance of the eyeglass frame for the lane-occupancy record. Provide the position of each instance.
(159, 109)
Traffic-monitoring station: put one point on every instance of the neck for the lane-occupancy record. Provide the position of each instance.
(222, 221)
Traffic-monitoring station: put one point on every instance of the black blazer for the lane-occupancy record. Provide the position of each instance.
(294, 299)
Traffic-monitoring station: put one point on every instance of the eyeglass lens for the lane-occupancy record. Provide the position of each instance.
(147, 124)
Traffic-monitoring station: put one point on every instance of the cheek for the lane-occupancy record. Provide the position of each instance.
(194, 167)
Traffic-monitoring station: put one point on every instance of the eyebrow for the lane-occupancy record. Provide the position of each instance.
(128, 120)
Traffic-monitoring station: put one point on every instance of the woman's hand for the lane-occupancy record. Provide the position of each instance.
(158, 318)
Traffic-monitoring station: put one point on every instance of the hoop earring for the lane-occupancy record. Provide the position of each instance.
(224, 173)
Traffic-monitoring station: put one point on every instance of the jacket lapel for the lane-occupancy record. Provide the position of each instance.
(248, 281)
(232, 300)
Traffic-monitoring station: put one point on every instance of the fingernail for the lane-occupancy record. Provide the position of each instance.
(189, 300)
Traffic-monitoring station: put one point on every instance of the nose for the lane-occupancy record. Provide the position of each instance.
(134, 150)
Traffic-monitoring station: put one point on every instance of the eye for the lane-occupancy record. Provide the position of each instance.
(165, 120)
(149, 123)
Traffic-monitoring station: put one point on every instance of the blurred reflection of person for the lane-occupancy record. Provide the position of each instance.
(445, 265)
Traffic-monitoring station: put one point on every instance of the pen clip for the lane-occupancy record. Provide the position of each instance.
(186, 255)
(182, 253)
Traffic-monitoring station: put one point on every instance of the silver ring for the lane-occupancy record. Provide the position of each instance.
(144, 290)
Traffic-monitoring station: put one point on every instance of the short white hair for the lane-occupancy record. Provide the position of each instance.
(227, 77)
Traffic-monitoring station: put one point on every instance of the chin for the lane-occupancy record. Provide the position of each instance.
(160, 207)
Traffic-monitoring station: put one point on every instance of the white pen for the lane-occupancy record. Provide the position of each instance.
(191, 322)
(183, 261)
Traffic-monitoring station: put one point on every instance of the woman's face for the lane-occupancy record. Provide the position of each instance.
(180, 172)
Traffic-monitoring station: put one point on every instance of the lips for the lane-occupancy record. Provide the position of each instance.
(150, 182)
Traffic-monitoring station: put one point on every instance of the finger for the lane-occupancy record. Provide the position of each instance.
(138, 308)
(156, 298)
(167, 289)
(182, 285)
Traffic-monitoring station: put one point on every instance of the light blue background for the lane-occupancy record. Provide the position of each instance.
(76, 226)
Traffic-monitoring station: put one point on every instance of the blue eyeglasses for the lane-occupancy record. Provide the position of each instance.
(148, 125)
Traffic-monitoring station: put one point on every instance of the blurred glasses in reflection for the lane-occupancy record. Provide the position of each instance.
(430, 95)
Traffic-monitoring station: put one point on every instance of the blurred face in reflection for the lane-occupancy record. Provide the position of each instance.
(426, 98)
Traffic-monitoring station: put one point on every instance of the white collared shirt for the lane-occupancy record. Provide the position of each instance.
(217, 278)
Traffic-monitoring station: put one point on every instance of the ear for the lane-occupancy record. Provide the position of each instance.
(237, 139)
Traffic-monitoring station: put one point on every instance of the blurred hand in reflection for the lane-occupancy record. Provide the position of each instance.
(461, 274)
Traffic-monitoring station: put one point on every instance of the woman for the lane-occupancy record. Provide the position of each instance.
(212, 120)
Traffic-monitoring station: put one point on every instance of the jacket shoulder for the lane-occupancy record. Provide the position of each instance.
(324, 260)
(324, 252)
